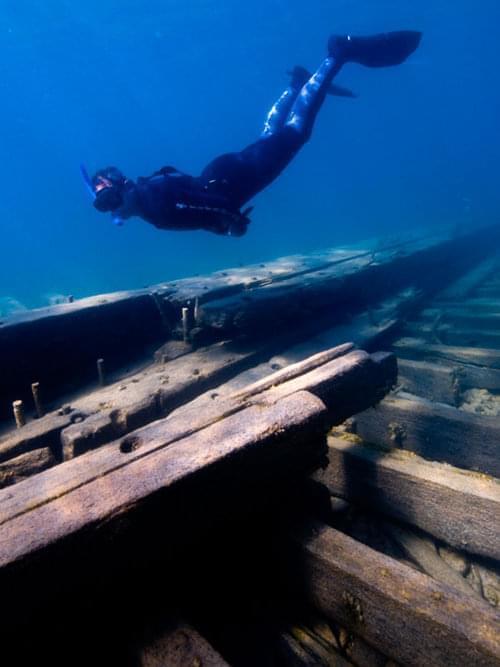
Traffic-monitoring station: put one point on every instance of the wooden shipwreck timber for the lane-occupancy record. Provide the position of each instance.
(230, 469)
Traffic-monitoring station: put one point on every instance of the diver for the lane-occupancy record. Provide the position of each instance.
(213, 201)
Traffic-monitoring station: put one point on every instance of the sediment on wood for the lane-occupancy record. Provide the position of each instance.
(403, 613)
(456, 506)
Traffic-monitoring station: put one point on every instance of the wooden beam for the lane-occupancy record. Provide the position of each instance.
(435, 431)
(456, 506)
(436, 382)
(332, 380)
(286, 435)
(152, 394)
(154, 391)
(463, 287)
(421, 550)
(444, 382)
(37, 434)
(474, 305)
(349, 287)
(24, 465)
(415, 348)
(59, 346)
(462, 316)
(450, 334)
(180, 646)
(403, 613)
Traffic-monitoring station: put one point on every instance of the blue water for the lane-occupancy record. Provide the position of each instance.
(140, 85)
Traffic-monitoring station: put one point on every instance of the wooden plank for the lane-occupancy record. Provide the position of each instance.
(180, 646)
(405, 614)
(464, 317)
(127, 405)
(133, 401)
(22, 466)
(155, 391)
(435, 431)
(474, 305)
(39, 433)
(444, 382)
(450, 334)
(58, 347)
(337, 378)
(415, 348)
(487, 292)
(286, 435)
(318, 651)
(436, 382)
(463, 287)
(354, 284)
(456, 506)
(422, 550)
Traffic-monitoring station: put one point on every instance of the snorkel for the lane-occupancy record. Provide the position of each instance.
(101, 205)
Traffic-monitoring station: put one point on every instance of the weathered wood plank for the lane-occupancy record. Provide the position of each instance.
(422, 550)
(450, 334)
(130, 404)
(415, 348)
(288, 433)
(35, 435)
(487, 292)
(156, 390)
(405, 614)
(463, 317)
(444, 382)
(318, 652)
(463, 287)
(58, 347)
(22, 466)
(436, 382)
(474, 305)
(181, 646)
(352, 285)
(435, 431)
(456, 506)
(336, 381)
(135, 400)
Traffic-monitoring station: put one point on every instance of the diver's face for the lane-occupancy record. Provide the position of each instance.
(102, 183)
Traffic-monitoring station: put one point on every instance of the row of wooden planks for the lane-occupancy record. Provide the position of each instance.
(422, 467)
(60, 346)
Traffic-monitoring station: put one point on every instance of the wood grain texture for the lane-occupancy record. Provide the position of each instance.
(405, 614)
(455, 506)
(434, 431)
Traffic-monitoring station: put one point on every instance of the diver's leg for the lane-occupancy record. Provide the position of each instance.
(308, 102)
(279, 112)
(384, 50)
(281, 108)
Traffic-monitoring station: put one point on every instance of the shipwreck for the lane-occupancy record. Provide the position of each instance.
(292, 463)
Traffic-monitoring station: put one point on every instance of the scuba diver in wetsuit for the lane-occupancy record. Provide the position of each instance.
(212, 201)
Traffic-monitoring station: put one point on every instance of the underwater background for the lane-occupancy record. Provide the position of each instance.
(142, 85)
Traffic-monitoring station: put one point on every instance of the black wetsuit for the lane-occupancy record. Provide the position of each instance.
(212, 201)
